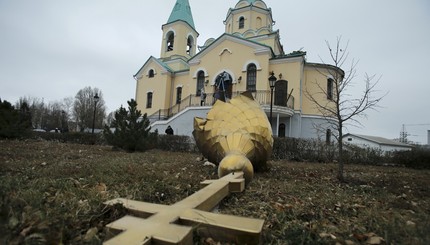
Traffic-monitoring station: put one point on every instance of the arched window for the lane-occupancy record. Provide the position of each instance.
(170, 41)
(200, 82)
(330, 89)
(178, 95)
(241, 22)
(149, 100)
(328, 136)
(281, 131)
(190, 44)
(151, 73)
(259, 22)
(251, 78)
(281, 93)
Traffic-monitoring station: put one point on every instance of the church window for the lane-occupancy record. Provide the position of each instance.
(259, 22)
(251, 78)
(190, 44)
(149, 100)
(170, 41)
(151, 73)
(328, 137)
(200, 82)
(281, 131)
(241, 22)
(178, 95)
(330, 89)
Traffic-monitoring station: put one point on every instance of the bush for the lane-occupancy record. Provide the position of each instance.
(357, 155)
(130, 130)
(14, 123)
(176, 143)
(75, 137)
(416, 158)
(303, 150)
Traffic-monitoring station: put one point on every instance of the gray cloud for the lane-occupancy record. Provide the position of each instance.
(53, 48)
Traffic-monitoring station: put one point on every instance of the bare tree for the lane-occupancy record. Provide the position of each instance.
(341, 108)
(84, 105)
(37, 110)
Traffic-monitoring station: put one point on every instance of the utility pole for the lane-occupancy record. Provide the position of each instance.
(404, 134)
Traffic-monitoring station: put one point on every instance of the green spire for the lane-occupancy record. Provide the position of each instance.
(182, 11)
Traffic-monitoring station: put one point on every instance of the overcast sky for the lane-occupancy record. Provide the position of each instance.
(53, 48)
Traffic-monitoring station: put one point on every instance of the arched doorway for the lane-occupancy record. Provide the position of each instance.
(281, 93)
(281, 130)
(223, 86)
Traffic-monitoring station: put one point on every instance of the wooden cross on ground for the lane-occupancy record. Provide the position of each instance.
(174, 224)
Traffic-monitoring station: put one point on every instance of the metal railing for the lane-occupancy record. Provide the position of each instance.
(262, 96)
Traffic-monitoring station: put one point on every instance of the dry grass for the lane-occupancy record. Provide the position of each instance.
(52, 193)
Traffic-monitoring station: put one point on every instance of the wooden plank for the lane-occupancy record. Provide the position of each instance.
(207, 198)
(239, 230)
(164, 224)
(146, 231)
(137, 208)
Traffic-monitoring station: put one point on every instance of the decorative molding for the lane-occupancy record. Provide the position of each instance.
(191, 34)
(198, 70)
(240, 16)
(150, 68)
(286, 60)
(194, 62)
(262, 51)
(229, 37)
(248, 62)
(168, 31)
(225, 50)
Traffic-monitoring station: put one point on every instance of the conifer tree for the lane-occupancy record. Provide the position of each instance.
(13, 123)
(130, 130)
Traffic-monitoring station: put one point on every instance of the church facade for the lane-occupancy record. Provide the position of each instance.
(186, 79)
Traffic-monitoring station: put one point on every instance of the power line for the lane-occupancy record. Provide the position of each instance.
(404, 134)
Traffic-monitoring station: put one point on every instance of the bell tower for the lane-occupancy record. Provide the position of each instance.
(249, 18)
(179, 34)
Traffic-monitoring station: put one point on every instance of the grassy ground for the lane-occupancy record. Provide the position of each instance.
(52, 193)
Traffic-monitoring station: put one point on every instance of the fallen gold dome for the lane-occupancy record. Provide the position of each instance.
(236, 136)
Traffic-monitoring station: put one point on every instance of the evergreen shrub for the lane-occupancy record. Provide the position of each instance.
(130, 130)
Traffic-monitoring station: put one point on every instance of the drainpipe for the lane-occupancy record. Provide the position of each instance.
(172, 82)
(137, 84)
(301, 98)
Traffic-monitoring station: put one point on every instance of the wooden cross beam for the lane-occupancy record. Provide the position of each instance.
(174, 224)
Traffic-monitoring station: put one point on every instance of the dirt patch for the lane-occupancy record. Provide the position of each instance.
(52, 193)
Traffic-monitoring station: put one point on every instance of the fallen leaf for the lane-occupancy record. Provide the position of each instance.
(210, 241)
(324, 234)
(36, 239)
(360, 237)
(278, 206)
(13, 222)
(410, 223)
(349, 242)
(375, 240)
(101, 187)
(91, 233)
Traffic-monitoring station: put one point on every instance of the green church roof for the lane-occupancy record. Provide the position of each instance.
(182, 11)
(251, 1)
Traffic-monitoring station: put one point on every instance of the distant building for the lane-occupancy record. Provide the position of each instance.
(366, 141)
(240, 59)
(428, 137)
